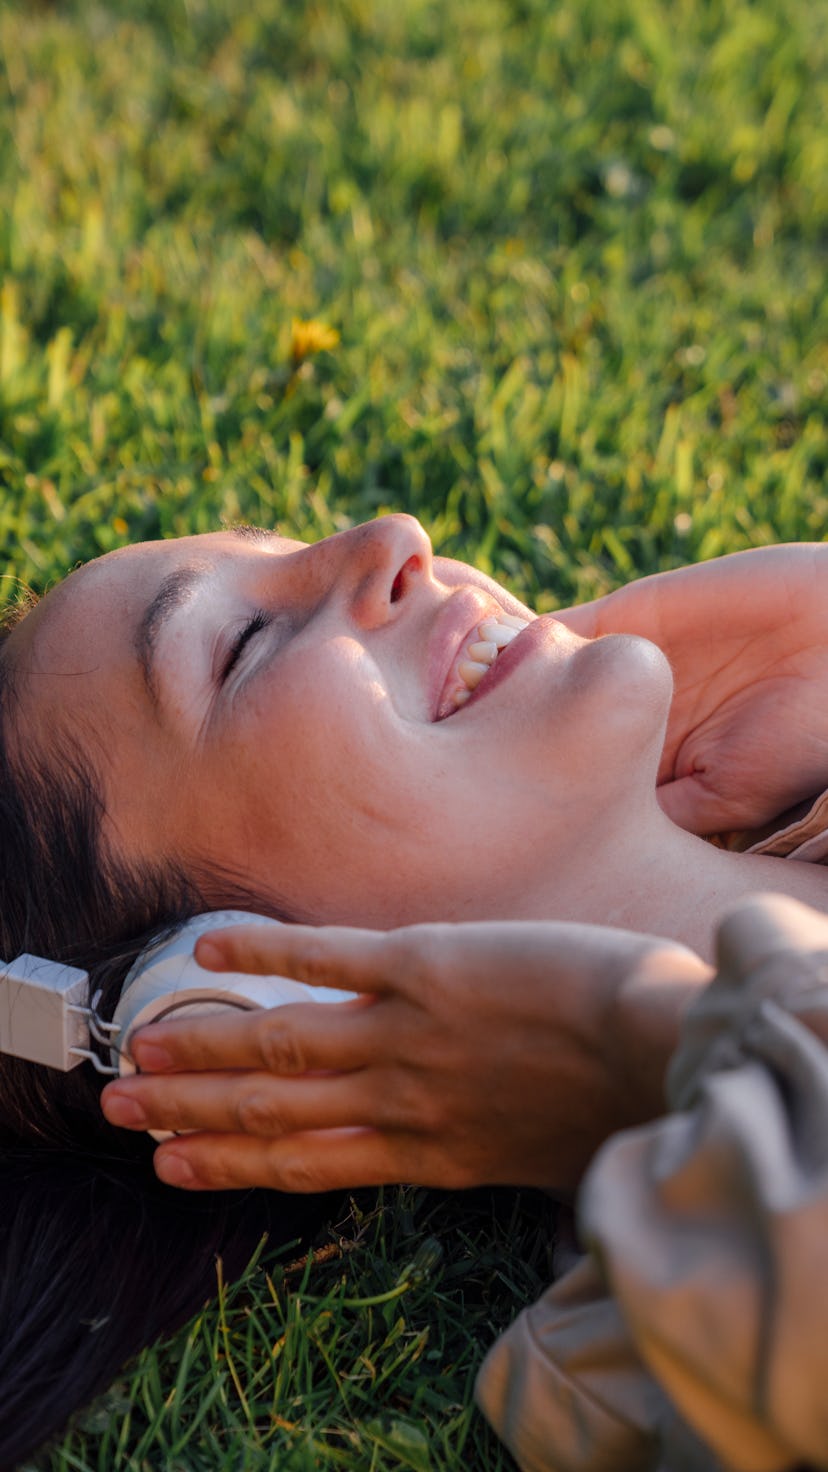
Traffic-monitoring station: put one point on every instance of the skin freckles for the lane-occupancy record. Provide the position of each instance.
(270, 705)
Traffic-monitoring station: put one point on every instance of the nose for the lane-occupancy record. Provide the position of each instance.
(382, 563)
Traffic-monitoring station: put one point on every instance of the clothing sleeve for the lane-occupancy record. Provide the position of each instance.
(695, 1333)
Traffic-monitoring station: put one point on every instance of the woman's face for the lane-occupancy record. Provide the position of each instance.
(301, 716)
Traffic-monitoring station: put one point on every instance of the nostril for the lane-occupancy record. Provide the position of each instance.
(410, 566)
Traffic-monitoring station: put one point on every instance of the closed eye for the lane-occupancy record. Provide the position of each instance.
(254, 625)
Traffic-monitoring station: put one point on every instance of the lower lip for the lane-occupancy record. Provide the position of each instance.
(527, 641)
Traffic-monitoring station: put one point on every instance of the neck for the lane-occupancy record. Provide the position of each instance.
(662, 881)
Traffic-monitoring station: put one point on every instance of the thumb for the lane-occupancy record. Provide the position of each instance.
(693, 805)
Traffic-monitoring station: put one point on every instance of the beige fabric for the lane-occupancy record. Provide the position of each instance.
(695, 1334)
(562, 1388)
(800, 834)
(805, 838)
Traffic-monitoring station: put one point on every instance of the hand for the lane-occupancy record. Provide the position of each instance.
(478, 1053)
(747, 637)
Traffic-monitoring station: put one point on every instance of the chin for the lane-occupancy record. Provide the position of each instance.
(615, 702)
(631, 681)
(641, 659)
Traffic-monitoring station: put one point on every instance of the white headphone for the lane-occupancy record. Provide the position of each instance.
(166, 980)
(45, 1016)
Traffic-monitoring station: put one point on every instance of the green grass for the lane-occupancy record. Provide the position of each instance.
(363, 1357)
(576, 257)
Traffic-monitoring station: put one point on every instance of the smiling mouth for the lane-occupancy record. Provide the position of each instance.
(491, 636)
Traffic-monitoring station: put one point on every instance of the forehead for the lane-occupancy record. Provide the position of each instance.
(93, 616)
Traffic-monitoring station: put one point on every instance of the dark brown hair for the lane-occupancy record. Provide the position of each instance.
(97, 1258)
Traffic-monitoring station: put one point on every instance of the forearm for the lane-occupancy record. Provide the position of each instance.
(694, 1332)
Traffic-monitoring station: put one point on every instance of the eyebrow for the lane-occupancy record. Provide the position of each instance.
(175, 589)
(248, 533)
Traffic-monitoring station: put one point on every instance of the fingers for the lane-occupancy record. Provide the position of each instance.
(245, 1103)
(770, 925)
(289, 1040)
(582, 619)
(691, 805)
(336, 956)
(695, 804)
(329, 1160)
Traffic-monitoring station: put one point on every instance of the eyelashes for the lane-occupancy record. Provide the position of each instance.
(254, 625)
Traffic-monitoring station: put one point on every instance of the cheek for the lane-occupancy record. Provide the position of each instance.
(322, 804)
(322, 756)
(150, 787)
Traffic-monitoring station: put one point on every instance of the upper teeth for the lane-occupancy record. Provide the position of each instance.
(493, 635)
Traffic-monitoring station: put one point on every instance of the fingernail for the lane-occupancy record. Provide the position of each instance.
(173, 1169)
(125, 1111)
(152, 1057)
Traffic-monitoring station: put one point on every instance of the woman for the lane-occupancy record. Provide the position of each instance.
(242, 720)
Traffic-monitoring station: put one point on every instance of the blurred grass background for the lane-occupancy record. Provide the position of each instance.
(564, 268)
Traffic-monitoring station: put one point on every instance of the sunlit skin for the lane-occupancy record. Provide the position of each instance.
(285, 728)
(498, 1052)
(315, 769)
(316, 766)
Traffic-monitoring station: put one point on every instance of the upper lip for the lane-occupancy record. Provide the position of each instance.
(454, 629)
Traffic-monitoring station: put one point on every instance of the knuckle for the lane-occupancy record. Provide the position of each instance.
(414, 1104)
(200, 1052)
(169, 1112)
(170, 1119)
(295, 1173)
(281, 1051)
(408, 1101)
(213, 1167)
(256, 1114)
(315, 961)
(420, 955)
(225, 1176)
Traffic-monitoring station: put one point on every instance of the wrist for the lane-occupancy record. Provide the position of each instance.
(644, 1023)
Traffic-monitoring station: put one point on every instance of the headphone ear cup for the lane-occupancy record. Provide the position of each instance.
(189, 1002)
(166, 981)
(167, 976)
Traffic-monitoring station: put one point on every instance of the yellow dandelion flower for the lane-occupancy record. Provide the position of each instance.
(119, 526)
(311, 336)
